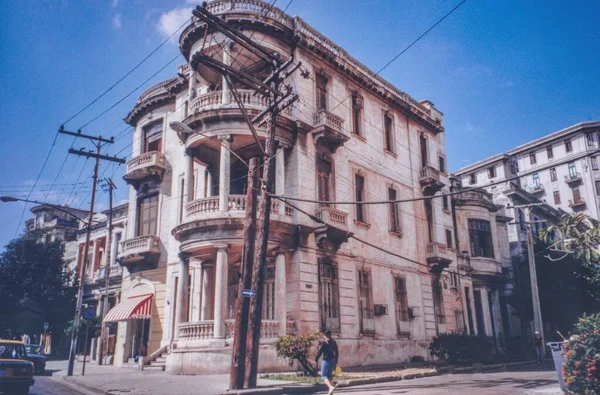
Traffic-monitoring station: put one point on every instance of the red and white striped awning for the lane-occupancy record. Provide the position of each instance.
(133, 308)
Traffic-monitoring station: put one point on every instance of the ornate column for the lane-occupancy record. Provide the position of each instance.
(205, 313)
(182, 293)
(487, 314)
(280, 293)
(227, 47)
(224, 172)
(280, 176)
(189, 175)
(221, 292)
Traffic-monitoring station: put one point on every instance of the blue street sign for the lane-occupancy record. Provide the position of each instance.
(248, 293)
(89, 313)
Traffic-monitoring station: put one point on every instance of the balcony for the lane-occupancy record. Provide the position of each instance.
(464, 263)
(438, 256)
(577, 203)
(328, 130)
(149, 164)
(201, 332)
(430, 180)
(485, 266)
(114, 271)
(221, 105)
(336, 228)
(535, 189)
(573, 178)
(141, 249)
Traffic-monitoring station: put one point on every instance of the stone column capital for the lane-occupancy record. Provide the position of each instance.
(225, 138)
(221, 247)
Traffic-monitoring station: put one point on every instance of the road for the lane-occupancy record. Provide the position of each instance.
(44, 385)
(523, 381)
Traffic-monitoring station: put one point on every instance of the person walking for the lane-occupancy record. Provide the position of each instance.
(537, 342)
(329, 351)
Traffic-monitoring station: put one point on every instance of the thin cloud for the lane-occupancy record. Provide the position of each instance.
(172, 20)
(117, 21)
(114, 4)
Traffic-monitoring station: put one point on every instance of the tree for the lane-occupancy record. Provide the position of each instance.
(296, 348)
(35, 286)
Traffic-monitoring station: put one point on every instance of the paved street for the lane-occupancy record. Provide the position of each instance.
(45, 385)
(523, 381)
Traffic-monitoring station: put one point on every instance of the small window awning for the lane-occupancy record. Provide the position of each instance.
(133, 308)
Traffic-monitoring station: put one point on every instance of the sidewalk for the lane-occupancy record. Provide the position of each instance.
(110, 380)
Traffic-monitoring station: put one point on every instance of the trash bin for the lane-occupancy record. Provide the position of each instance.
(559, 359)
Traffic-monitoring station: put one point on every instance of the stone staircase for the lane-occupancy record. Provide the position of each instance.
(157, 361)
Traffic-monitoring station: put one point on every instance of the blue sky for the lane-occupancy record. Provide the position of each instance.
(503, 72)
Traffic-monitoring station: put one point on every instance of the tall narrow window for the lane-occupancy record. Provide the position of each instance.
(357, 107)
(321, 99)
(514, 165)
(438, 302)
(469, 310)
(553, 176)
(459, 320)
(394, 211)
(557, 196)
(324, 180)
(598, 188)
(549, 152)
(536, 179)
(181, 199)
(186, 108)
(402, 316)
(445, 202)
(268, 310)
(594, 161)
(423, 146)
(152, 137)
(449, 238)
(590, 139)
(480, 233)
(473, 179)
(491, 171)
(147, 216)
(532, 158)
(568, 145)
(329, 295)
(367, 318)
(479, 312)
(442, 164)
(233, 280)
(388, 128)
(429, 215)
(359, 192)
(576, 195)
(572, 170)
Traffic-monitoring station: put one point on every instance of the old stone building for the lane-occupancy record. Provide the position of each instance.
(352, 137)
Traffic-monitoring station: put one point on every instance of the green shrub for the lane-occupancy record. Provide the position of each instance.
(297, 348)
(454, 347)
(581, 369)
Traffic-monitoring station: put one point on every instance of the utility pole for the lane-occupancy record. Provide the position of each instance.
(242, 304)
(278, 99)
(98, 141)
(110, 186)
(535, 297)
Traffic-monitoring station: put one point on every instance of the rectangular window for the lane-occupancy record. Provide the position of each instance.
(572, 170)
(430, 225)
(152, 137)
(459, 322)
(536, 179)
(329, 295)
(357, 107)
(186, 109)
(568, 145)
(233, 281)
(402, 316)
(491, 171)
(438, 302)
(556, 197)
(480, 234)
(394, 211)
(268, 310)
(532, 158)
(424, 151)
(473, 179)
(576, 195)
(598, 188)
(590, 139)
(359, 192)
(147, 216)
(321, 99)
(553, 176)
(449, 238)
(594, 160)
(549, 152)
(388, 129)
(514, 165)
(442, 162)
(365, 296)
(325, 180)
(445, 202)
(181, 200)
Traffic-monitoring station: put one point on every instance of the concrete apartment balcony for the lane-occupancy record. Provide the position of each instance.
(573, 179)
(430, 180)
(114, 272)
(222, 104)
(535, 189)
(464, 263)
(328, 129)
(143, 250)
(439, 255)
(485, 266)
(149, 164)
(577, 204)
(336, 230)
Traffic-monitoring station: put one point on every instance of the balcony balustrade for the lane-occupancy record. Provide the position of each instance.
(145, 165)
(333, 217)
(438, 254)
(535, 189)
(214, 101)
(328, 129)
(573, 178)
(204, 330)
(577, 203)
(138, 249)
(113, 271)
(430, 180)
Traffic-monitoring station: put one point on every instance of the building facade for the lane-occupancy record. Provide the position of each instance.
(352, 137)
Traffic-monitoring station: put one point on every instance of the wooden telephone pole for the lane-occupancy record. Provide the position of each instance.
(109, 186)
(244, 361)
(98, 141)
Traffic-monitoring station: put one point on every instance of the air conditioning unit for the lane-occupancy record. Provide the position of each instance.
(357, 100)
(380, 309)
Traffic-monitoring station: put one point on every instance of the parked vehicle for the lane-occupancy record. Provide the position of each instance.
(16, 372)
(34, 354)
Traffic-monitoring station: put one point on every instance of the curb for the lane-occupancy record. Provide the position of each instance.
(78, 386)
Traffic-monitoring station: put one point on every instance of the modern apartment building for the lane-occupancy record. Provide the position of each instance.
(352, 137)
